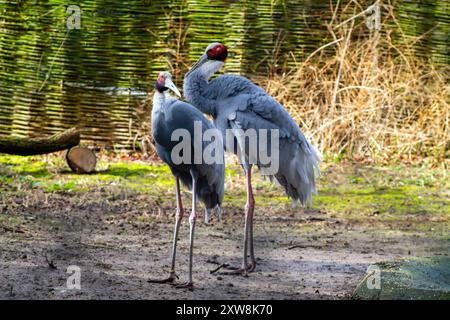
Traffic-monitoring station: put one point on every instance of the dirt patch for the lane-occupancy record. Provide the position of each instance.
(120, 237)
(310, 256)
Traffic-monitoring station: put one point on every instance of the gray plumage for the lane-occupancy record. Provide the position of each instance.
(169, 114)
(179, 120)
(235, 102)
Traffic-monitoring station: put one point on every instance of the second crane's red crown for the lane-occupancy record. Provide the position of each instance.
(217, 52)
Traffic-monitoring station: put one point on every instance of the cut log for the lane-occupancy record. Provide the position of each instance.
(81, 160)
(27, 147)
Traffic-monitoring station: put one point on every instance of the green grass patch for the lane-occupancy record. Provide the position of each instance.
(350, 191)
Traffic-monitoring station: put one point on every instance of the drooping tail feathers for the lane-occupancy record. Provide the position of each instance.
(299, 164)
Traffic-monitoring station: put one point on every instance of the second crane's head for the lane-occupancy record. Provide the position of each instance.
(165, 82)
(211, 61)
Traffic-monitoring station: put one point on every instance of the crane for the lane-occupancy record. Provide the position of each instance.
(237, 104)
(205, 180)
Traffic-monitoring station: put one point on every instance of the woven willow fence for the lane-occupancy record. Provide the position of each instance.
(57, 71)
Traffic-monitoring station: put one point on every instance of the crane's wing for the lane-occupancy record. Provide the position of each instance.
(250, 107)
(181, 115)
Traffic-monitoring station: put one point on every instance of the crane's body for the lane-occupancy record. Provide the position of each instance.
(237, 103)
(169, 116)
(205, 180)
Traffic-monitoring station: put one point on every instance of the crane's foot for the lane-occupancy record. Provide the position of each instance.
(187, 285)
(237, 272)
(234, 271)
(251, 267)
(172, 277)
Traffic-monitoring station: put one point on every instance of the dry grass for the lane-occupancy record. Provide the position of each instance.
(367, 96)
(364, 95)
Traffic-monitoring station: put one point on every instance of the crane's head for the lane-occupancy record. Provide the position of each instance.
(165, 82)
(212, 60)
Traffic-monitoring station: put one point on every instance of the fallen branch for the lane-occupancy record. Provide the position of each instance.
(223, 265)
(27, 147)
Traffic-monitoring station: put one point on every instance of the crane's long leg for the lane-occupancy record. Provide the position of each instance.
(178, 217)
(248, 230)
(250, 208)
(192, 218)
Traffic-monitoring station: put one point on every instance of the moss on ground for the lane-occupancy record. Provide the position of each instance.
(418, 279)
(397, 194)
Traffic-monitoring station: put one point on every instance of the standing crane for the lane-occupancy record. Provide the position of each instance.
(205, 180)
(236, 104)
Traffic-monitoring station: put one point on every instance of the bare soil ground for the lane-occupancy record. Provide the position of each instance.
(121, 239)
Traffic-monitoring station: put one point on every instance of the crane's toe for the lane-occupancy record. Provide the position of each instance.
(243, 271)
(172, 277)
(187, 285)
(236, 272)
(252, 266)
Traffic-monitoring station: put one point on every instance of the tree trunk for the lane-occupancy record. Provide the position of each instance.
(27, 147)
(81, 160)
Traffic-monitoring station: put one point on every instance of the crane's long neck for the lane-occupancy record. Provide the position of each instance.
(159, 129)
(159, 101)
(195, 90)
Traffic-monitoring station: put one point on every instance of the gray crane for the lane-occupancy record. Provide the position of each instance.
(205, 180)
(236, 103)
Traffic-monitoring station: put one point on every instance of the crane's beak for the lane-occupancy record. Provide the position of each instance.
(200, 61)
(169, 84)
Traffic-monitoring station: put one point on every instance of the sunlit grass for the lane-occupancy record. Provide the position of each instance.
(353, 192)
